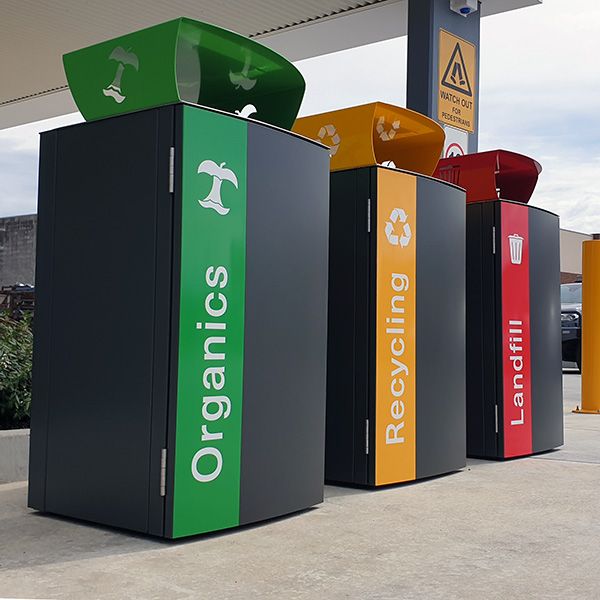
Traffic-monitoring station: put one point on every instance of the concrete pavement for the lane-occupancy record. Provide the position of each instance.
(527, 528)
(14, 455)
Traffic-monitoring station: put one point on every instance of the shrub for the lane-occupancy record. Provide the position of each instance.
(16, 348)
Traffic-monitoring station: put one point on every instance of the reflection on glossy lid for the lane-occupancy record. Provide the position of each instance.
(492, 175)
(376, 133)
(184, 60)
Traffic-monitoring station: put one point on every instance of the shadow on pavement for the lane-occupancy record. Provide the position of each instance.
(44, 538)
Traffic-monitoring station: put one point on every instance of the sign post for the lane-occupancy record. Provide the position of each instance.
(443, 71)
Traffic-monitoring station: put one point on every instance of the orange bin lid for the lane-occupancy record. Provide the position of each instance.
(376, 133)
(492, 175)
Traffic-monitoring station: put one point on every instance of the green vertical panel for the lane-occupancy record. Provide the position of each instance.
(211, 326)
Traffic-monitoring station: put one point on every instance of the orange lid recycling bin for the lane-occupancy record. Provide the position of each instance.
(492, 175)
(396, 248)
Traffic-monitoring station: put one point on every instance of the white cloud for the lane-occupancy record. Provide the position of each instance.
(356, 76)
(18, 192)
(539, 90)
(25, 138)
(570, 190)
(538, 96)
(19, 148)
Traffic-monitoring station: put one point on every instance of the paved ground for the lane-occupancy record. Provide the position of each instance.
(527, 528)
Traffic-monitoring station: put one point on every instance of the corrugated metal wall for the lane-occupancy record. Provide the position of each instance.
(17, 249)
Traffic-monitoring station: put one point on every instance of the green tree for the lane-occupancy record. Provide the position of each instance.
(16, 349)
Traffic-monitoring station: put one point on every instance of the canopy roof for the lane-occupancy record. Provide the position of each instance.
(34, 35)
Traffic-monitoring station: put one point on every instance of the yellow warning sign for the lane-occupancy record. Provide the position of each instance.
(457, 86)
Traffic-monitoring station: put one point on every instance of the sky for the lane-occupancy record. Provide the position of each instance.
(539, 95)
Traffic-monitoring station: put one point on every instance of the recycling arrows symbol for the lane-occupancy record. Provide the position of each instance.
(398, 214)
(329, 133)
(384, 135)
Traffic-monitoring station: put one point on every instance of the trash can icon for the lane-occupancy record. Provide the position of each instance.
(516, 248)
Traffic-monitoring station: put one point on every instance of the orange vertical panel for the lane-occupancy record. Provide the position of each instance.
(395, 423)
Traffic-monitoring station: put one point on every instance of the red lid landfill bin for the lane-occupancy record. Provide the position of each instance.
(492, 175)
(513, 338)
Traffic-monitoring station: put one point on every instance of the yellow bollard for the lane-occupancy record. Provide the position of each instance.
(590, 333)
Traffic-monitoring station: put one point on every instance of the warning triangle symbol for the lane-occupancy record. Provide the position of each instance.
(455, 76)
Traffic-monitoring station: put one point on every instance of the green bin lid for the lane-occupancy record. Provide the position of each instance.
(189, 61)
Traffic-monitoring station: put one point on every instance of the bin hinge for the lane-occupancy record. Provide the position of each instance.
(494, 239)
(496, 417)
(367, 436)
(171, 170)
(163, 472)
(368, 217)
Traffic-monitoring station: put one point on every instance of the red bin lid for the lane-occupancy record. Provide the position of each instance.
(492, 175)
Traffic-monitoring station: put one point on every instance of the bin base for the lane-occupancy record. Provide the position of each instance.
(585, 411)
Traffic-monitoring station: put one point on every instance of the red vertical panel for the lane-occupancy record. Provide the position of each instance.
(516, 330)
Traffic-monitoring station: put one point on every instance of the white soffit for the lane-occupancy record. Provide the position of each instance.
(34, 35)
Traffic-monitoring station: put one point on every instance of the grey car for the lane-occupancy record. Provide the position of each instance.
(570, 321)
